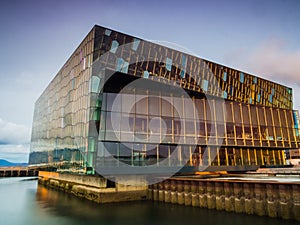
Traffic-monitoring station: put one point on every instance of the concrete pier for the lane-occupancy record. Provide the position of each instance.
(259, 197)
(18, 172)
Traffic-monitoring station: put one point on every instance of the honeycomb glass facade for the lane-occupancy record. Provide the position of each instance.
(122, 102)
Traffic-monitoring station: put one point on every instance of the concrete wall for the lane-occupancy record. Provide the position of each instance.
(93, 188)
(277, 200)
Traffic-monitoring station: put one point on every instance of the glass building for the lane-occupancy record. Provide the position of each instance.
(121, 104)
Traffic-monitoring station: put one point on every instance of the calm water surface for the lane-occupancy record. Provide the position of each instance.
(23, 201)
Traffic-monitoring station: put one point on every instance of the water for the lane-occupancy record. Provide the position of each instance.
(24, 202)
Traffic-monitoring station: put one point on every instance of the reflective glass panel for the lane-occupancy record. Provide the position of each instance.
(95, 81)
(146, 74)
(168, 64)
(107, 32)
(114, 46)
(135, 44)
(271, 98)
(183, 66)
(225, 76)
(242, 77)
(255, 80)
(204, 85)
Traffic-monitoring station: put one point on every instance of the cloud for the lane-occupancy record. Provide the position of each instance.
(12, 133)
(15, 153)
(273, 59)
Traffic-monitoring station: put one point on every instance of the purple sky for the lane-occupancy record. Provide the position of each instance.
(37, 37)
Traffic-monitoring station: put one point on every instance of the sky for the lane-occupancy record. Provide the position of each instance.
(260, 37)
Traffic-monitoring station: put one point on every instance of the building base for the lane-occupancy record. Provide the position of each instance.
(94, 188)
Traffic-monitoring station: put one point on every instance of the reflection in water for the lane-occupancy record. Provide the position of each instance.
(29, 203)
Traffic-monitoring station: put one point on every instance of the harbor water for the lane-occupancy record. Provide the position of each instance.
(25, 202)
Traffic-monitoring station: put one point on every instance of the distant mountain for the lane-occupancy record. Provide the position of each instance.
(4, 162)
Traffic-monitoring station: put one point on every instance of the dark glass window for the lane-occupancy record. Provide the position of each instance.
(290, 118)
(163, 151)
(219, 110)
(253, 115)
(113, 102)
(127, 123)
(261, 116)
(112, 126)
(199, 104)
(178, 107)
(282, 118)
(168, 122)
(246, 118)
(264, 132)
(278, 134)
(177, 127)
(141, 105)
(255, 132)
(239, 131)
(126, 152)
(247, 132)
(154, 125)
(111, 148)
(285, 134)
(220, 130)
(230, 130)
(269, 113)
(166, 106)
(229, 116)
(154, 105)
(201, 127)
(231, 90)
(128, 101)
(211, 130)
(188, 108)
(237, 113)
(141, 125)
(209, 106)
(189, 127)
